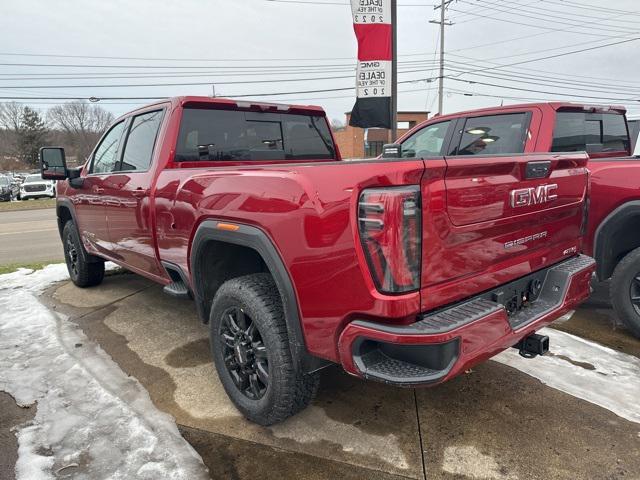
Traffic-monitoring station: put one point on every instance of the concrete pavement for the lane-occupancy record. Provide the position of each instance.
(29, 236)
(493, 423)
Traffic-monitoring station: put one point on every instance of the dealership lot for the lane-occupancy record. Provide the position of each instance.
(493, 422)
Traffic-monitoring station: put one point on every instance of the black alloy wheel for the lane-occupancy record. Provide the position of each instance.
(634, 292)
(244, 352)
(251, 351)
(625, 291)
(84, 270)
(71, 257)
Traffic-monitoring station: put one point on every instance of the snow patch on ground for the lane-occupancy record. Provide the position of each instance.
(586, 370)
(91, 418)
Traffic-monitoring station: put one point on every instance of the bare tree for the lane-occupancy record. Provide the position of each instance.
(82, 124)
(10, 118)
(337, 124)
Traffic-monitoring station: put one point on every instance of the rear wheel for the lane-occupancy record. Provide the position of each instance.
(625, 291)
(250, 349)
(82, 272)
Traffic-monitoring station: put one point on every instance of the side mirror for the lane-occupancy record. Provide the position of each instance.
(53, 164)
(392, 150)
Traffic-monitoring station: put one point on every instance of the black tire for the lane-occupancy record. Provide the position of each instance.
(263, 339)
(625, 291)
(82, 272)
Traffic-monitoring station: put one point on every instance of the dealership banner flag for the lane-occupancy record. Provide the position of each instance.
(373, 29)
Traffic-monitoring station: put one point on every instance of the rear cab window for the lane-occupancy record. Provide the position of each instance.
(232, 135)
(590, 132)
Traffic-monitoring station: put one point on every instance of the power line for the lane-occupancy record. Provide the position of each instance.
(615, 99)
(593, 7)
(547, 57)
(173, 84)
(553, 81)
(548, 17)
(574, 14)
(532, 70)
(513, 22)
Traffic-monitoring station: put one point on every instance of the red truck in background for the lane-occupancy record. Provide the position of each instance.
(613, 233)
(463, 241)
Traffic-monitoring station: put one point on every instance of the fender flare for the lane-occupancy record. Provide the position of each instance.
(256, 239)
(68, 204)
(603, 243)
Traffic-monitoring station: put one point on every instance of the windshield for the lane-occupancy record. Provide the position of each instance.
(33, 178)
(4, 181)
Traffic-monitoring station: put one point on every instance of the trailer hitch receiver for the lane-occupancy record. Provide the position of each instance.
(533, 345)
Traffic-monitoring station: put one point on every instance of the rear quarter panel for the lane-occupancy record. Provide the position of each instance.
(614, 182)
(308, 211)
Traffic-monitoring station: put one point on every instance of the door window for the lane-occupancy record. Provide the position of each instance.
(494, 135)
(141, 139)
(105, 158)
(427, 142)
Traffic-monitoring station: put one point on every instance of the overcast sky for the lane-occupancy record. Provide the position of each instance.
(297, 40)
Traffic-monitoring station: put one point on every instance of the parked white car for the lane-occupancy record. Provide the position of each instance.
(35, 187)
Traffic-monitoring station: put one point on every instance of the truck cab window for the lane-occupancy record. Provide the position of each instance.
(226, 135)
(105, 158)
(427, 142)
(494, 135)
(140, 141)
(591, 132)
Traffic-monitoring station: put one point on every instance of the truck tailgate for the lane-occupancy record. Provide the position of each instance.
(503, 217)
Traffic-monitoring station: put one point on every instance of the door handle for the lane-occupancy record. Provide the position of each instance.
(139, 192)
(98, 189)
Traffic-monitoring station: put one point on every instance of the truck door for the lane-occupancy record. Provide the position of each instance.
(128, 197)
(90, 199)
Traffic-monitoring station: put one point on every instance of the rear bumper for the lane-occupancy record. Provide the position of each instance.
(447, 342)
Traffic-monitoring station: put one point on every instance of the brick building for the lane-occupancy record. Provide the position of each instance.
(351, 140)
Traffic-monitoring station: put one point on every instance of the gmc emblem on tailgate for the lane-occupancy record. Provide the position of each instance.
(524, 197)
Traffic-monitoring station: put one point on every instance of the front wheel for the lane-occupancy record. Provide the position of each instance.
(82, 272)
(250, 348)
(625, 291)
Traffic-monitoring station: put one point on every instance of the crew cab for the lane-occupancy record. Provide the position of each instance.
(407, 269)
(608, 140)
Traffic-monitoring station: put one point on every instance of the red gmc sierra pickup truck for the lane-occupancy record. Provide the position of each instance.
(460, 242)
(613, 234)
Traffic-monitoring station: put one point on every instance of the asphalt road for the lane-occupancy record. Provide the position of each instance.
(29, 236)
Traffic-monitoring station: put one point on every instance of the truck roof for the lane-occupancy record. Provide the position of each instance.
(541, 105)
(202, 101)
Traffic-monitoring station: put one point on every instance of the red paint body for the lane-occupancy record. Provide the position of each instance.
(309, 212)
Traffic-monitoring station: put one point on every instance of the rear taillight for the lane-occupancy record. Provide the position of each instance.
(389, 222)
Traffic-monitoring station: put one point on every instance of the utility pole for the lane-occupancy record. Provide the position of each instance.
(394, 72)
(443, 23)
